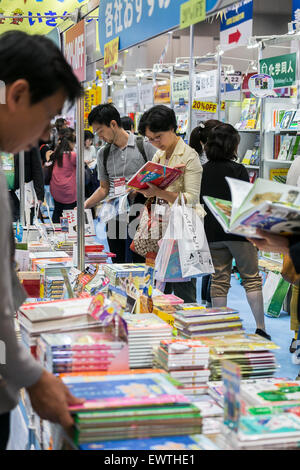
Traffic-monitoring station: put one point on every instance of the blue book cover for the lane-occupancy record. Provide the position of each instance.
(195, 442)
(121, 390)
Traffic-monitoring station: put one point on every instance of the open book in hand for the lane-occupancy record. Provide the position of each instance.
(154, 173)
(265, 205)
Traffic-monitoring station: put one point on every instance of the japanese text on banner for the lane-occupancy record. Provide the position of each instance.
(111, 53)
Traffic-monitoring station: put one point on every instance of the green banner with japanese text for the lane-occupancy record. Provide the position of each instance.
(281, 68)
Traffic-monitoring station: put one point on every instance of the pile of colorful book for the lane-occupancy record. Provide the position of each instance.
(145, 332)
(82, 351)
(53, 317)
(195, 321)
(115, 272)
(54, 286)
(253, 353)
(130, 406)
(187, 362)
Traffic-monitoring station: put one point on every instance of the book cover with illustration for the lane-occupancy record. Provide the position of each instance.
(154, 173)
(111, 391)
(266, 205)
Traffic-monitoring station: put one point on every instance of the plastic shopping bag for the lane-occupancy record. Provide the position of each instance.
(167, 262)
(187, 228)
(111, 208)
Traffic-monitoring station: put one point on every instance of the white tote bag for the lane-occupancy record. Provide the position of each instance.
(188, 229)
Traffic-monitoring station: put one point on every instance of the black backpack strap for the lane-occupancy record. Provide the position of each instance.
(106, 151)
(141, 148)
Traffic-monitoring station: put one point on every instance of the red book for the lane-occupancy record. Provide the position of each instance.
(154, 173)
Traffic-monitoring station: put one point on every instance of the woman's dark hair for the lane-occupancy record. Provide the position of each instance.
(222, 143)
(66, 136)
(59, 123)
(127, 123)
(104, 114)
(199, 134)
(38, 60)
(88, 135)
(160, 118)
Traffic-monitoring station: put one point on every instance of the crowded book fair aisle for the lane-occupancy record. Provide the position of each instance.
(150, 291)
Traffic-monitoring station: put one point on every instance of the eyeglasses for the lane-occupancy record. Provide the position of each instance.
(155, 139)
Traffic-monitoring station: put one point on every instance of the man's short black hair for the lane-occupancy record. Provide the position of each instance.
(104, 114)
(38, 60)
(127, 123)
(159, 118)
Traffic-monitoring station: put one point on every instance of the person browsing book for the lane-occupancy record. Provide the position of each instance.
(38, 81)
(221, 150)
(198, 139)
(122, 156)
(159, 126)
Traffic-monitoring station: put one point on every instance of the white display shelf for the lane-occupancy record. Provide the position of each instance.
(279, 162)
(253, 167)
(248, 130)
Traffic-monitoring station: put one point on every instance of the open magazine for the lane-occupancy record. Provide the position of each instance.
(155, 173)
(265, 205)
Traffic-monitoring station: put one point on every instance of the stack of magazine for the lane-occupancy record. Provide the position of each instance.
(187, 362)
(145, 332)
(129, 406)
(207, 321)
(252, 353)
(82, 351)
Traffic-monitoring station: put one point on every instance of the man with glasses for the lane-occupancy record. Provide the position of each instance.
(117, 162)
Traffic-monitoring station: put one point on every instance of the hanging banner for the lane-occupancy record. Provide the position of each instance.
(111, 53)
(74, 50)
(236, 25)
(192, 12)
(131, 99)
(180, 89)
(118, 100)
(162, 94)
(296, 11)
(136, 22)
(205, 106)
(41, 16)
(205, 84)
(281, 68)
(146, 96)
(92, 97)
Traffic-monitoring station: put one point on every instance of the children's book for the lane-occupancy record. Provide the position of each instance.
(194, 442)
(111, 391)
(265, 205)
(154, 173)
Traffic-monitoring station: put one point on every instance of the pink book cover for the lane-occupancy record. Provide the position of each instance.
(154, 173)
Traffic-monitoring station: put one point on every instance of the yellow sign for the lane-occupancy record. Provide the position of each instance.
(192, 12)
(41, 16)
(111, 53)
(92, 97)
(205, 106)
(162, 93)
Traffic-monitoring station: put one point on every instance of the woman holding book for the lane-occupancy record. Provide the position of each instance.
(159, 125)
(221, 150)
(63, 179)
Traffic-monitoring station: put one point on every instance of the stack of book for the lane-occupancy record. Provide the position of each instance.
(212, 415)
(276, 431)
(130, 406)
(53, 317)
(115, 271)
(194, 442)
(252, 353)
(187, 362)
(54, 287)
(145, 332)
(196, 323)
(81, 352)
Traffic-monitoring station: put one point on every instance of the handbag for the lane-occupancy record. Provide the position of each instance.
(288, 272)
(149, 231)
